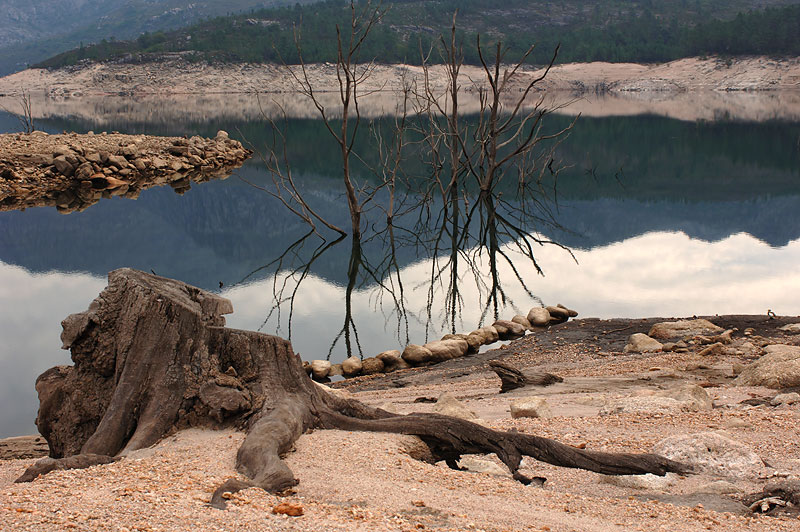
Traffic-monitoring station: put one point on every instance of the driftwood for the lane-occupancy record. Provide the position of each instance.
(152, 356)
(513, 378)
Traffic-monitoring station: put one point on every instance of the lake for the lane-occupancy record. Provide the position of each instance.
(667, 209)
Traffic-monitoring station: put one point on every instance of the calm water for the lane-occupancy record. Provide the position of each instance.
(664, 217)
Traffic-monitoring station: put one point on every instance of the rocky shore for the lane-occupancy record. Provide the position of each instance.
(175, 75)
(72, 172)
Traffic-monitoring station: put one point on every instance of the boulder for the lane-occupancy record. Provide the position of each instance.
(713, 453)
(693, 397)
(392, 360)
(530, 407)
(448, 405)
(351, 366)
(508, 330)
(522, 320)
(474, 341)
(792, 328)
(442, 350)
(667, 330)
(641, 343)
(416, 354)
(320, 369)
(371, 366)
(778, 368)
(539, 317)
(63, 166)
(570, 312)
(335, 371)
(557, 314)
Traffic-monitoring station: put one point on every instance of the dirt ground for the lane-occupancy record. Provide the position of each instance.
(359, 481)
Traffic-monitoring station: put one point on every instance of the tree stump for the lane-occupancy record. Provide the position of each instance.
(152, 356)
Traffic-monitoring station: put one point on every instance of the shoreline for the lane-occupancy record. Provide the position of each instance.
(177, 76)
(609, 400)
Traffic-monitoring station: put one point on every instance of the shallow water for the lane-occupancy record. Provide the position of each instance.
(664, 217)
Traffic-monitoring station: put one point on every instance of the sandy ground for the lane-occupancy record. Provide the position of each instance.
(359, 481)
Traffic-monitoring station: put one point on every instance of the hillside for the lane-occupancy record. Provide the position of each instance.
(32, 30)
(638, 31)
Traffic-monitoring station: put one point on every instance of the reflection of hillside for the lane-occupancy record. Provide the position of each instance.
(106, 112)
(221, 231)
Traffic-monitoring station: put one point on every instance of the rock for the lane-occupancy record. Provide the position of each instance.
(539, 317)
(650, 404)
(641, 482)
(712, 350)
(63, 166)
(522, 320)
(641, 343)
(571, 313)
(371, 366)
(222, 135)
(693, 397)
(508, 330)
(442, 350)
(336, 370)
(557, 314)
(474, 341)
(448, 405)
(785, 399)
(320, 369)
(478, 465)
(724, 337)
(392, 360)
(719, 487)
(117, 160)
(23, 447)
(792, 328)
(416, 354)
(668, 330)
(351, 367)
(713, 453)
(487, 335)
(530, 407)
(292, 509)
(778, 368)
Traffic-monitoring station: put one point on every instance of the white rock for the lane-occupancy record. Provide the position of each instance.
(785, 399)
(651, 404)
(719, 487)
(641, 482)
(792, 328)
(778, 368)
(530, 407)
(478, 465)
(448, 405)
(693, 397)
(713, 453)
(641, 343)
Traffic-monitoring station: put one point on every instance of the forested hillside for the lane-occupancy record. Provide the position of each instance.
(640, 31)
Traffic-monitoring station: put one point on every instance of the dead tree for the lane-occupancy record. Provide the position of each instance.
(151, 356)
(513, 378)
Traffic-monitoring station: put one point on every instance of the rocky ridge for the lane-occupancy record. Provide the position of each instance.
(72, 172)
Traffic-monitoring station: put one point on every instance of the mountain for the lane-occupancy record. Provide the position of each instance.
(32, 30)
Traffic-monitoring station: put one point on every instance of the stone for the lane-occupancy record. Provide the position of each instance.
(474, 464)
(557, 314)
(724, 337)
(719, 487)
(539, 317)
(416, 354)
(335, 371)
(570, 312)
(392, 360)
(447, 405)
(712, 350)
(522, 320)
(351, 366)
(785, 399)
(487, 335)
(638, 404)
(668, 330)
(508, 330)
(778, 368)
(117, 160)
(712, 453)
(693, 397)
(530, 407)
(320, 369)
(641, 482)
(63, 166)
(292, 509)
(642, 343)
(442, 350)
(371, 366)
(222, 135)
(792, 328)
